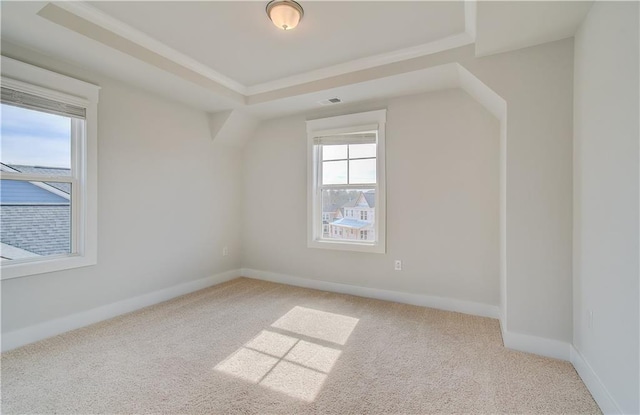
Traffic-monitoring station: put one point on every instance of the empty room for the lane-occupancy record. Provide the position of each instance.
(320, 207)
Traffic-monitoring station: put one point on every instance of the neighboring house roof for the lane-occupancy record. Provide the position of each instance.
(351, 203)
(49, 171)
(369, 198)
(35, 218)
(330, 208)
(11, 252)
(351, 223)
(13, 192)
(41, 229)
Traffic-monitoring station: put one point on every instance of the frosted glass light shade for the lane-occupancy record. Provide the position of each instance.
(285, 14)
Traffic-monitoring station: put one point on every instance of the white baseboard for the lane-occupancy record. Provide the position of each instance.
(517, 341)
(448, 304)
(40, 331)
(533, 344)
(599, 392)
(537, 345)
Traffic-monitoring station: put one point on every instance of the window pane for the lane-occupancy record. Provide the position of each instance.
(334, 152)
(348, 214)
(362, 150)
(334, 172)
(31, 138)
(35, 219)
(362, 171)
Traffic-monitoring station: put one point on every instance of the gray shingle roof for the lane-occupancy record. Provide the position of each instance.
(327, 208)
(44, 230)
(49, 171)
(369, 196)
(351, 203)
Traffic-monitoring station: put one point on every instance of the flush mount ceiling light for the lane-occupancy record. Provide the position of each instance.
(285, 14)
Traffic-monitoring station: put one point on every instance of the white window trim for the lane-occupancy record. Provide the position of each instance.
(34, 80)
(346, 124)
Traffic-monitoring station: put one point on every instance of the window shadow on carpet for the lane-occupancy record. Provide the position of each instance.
(293, 356)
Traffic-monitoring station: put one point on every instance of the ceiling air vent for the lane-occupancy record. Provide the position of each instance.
(330, 101)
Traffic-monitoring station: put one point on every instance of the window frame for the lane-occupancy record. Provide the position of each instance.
(33, 80)
(340, 125)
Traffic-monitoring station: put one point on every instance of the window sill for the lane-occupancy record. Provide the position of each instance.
(42, 266)
(347, 246)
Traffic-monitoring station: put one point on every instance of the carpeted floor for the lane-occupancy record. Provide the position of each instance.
(249, 346)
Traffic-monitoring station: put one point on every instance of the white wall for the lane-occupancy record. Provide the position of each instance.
(442, 202)
(537, 84)
(168, 200)
(606, 264)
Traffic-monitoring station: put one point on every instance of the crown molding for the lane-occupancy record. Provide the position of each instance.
(98, 17)
(84, 10)
(450, 42)
(470, 17)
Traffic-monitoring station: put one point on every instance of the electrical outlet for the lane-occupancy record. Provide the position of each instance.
(225, 251)
(397, 265)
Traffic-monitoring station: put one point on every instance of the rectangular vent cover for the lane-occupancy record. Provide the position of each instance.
(330, 101)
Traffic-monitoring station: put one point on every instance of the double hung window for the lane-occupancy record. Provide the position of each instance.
(47, 189)
(346, 182)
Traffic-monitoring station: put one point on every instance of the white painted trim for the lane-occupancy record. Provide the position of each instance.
(497, 106)
(42, 92)
(537, 345)
(39, 181)
(35, 80)
(598, 390)
(441, 303)
(96, 16)
(86, 11)
(13, 252)
(470, 18)
(84, 159)
(479, 91)
(450, 42)
(344, 124)
(533, 344)
(50, 328)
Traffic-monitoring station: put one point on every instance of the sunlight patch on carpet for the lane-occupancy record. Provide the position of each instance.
(331, 327)
(274, 344)
(295, 381)
(248, 364)
(287, 363)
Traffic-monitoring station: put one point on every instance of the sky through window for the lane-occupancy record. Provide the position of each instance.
(34, 138)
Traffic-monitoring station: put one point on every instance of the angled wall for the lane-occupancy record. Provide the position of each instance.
(537, 85)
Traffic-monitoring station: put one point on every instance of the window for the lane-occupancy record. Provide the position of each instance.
(346, 173)
(48, 167)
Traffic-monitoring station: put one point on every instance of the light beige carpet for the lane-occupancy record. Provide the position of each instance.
(249, 346)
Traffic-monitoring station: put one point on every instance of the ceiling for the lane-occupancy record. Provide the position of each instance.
(235, 38)
(221, 56)
(527, 23)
